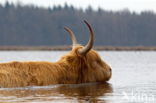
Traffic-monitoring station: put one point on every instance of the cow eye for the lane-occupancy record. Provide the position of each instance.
(98, 61)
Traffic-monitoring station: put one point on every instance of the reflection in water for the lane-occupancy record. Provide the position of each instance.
(133, 74)
(56, 93)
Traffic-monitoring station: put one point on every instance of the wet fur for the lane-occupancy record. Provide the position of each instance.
(72, 68)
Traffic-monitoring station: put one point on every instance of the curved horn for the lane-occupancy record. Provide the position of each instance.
(72, 36)
(89, 45)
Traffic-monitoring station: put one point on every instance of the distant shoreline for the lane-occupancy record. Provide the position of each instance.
(62, 48)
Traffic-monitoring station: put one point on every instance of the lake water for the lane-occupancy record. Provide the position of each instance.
(133, 80)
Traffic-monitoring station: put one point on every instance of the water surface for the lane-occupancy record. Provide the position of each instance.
(133, 80)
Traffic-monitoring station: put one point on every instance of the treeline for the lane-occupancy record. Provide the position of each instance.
(36, 26)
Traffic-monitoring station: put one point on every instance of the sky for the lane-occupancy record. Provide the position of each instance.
(115, 5)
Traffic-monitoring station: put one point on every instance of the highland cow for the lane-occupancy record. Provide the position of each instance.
(81, 65)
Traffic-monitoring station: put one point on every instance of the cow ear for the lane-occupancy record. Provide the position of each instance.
(70, 59)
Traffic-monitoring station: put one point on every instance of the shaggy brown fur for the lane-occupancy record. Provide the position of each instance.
(70, 69)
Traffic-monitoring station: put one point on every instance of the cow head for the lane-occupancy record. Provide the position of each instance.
(87, 63)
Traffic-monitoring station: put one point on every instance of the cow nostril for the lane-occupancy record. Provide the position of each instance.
(110, 70)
